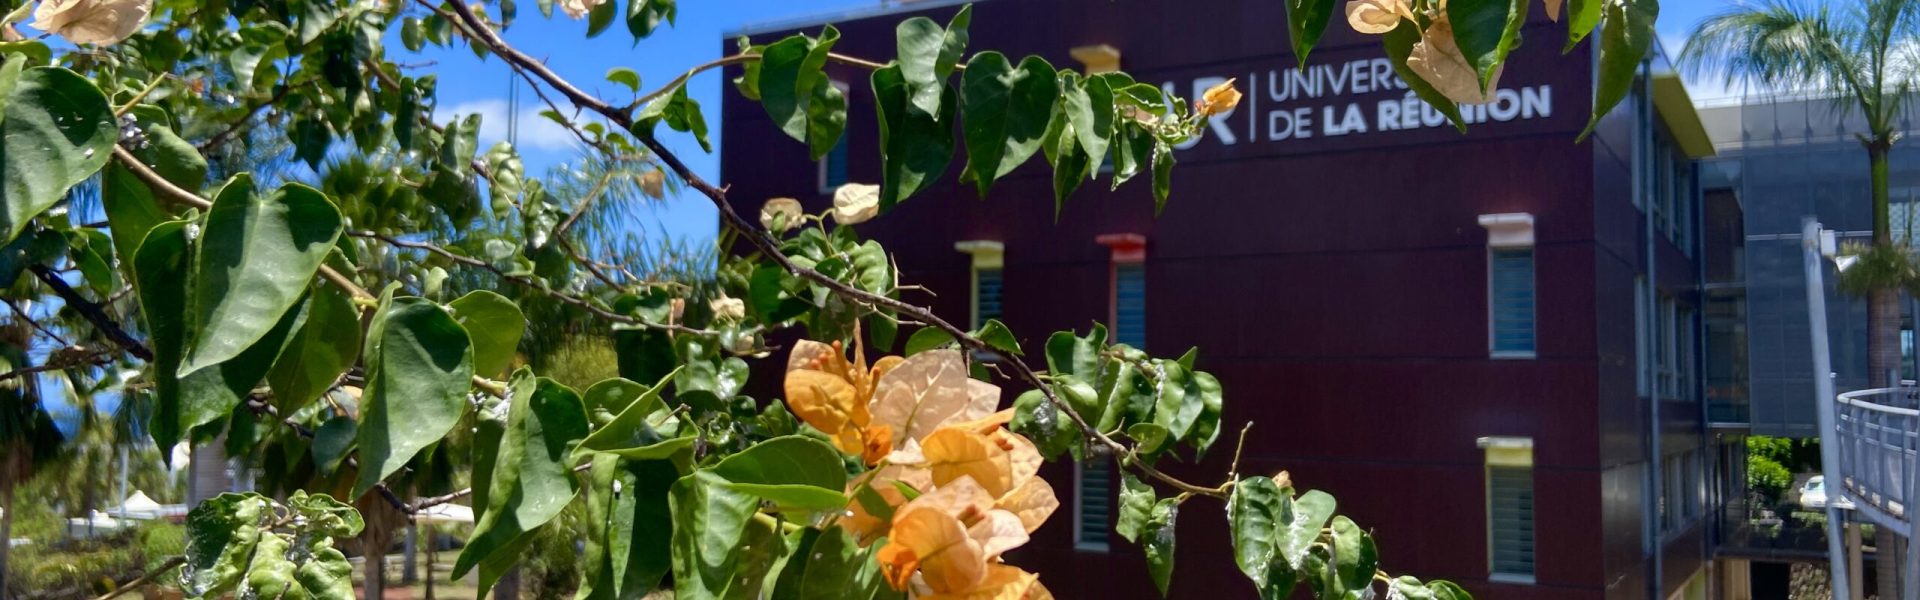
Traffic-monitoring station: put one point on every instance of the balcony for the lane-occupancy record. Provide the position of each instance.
(1877, 438)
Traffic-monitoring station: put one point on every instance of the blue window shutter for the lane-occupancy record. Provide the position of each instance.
(833, 166)
(1510, 520)
(1095, 497)
(989, 294)
(1511, 299)
(1130, 305)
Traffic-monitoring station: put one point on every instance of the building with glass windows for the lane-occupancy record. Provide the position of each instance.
(1476, 342)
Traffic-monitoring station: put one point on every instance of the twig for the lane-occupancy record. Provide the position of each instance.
(98, 357)
(92, 313)
(36, 324)
(144, 579)
(135, 101)
(768, 246)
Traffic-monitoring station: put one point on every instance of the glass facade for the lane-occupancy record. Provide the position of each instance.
(1783, 161)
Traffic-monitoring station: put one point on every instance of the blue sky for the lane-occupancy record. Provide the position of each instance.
(471, 85)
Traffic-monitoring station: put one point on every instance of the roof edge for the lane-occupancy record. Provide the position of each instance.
(884, 8)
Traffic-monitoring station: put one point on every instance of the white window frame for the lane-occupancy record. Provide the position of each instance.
(1507, 452)
(1511, 231)
(985, 255)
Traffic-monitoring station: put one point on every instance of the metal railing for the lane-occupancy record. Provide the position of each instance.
(1877, 432)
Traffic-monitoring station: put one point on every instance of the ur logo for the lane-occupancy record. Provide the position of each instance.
(1218, 123)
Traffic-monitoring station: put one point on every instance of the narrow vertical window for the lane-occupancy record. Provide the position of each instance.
(1510, 285)
(1510, 523)
(833, 166)
(1094, 493)
(1093, 512)
(1640, 336)
(989, 262)
(1130, 304)
(1511, 303)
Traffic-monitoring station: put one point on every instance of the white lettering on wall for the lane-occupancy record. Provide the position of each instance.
(1323, 100)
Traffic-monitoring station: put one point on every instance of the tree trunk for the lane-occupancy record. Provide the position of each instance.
(431, 541)
(373, 550)
(1883, 347)
(6, 528)
(508, 587)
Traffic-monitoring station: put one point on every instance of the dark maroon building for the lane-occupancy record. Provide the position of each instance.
(1453, 334)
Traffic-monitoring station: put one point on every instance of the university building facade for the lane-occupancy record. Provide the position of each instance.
(1476, 342)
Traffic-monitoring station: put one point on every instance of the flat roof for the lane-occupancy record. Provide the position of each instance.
(881, 8)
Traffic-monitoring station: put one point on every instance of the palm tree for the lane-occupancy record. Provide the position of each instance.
(1863, 57)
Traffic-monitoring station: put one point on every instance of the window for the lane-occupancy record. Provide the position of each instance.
(1510, 285)
(1640, 336)
(833, 166)
(1127, 311)
(1664, 328)
(1510, 305)
(1093, 506)
(1510, 534)
(1130, 305)
(989, 260)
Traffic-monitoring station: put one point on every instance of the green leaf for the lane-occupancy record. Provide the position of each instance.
(644, 16)
(131, 210)
(788, 471)
(411, 35)
(1624, 41)
(1306, 21)
(531, 479)
(831, 566)
(709, 526)
(1089, 107)
(1006, 111)
(223, 533)
(1582, 17)
(331, 442)
(641, 527)
(1157, 540)
(927, 338)
(495, 324)
(928, 54)
(1355, 557)
(1150, 438)
(184, 403)
(632, 433)
(790, 69)
(1447, 590)
(600, 17)
(56, 130)
(1132, 154)
(1399, 45)
(826, 120)
(1162, 175)
(915, 147)
(174, 158)
(1179, 402)
(996, 334)
(1486, 30)
(625, 76)
(607, 398)
(1253, 519)
(1301, 520)
(1206, 427)
(253, 262)
(1072, 165)
(1052, 433)
(1136, 506)
(419, 368)
(1072, 355)
(324, 347)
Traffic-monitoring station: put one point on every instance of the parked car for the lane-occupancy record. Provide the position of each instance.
(1814, 493)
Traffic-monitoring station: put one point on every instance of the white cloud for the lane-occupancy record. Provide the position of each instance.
(536, 133)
